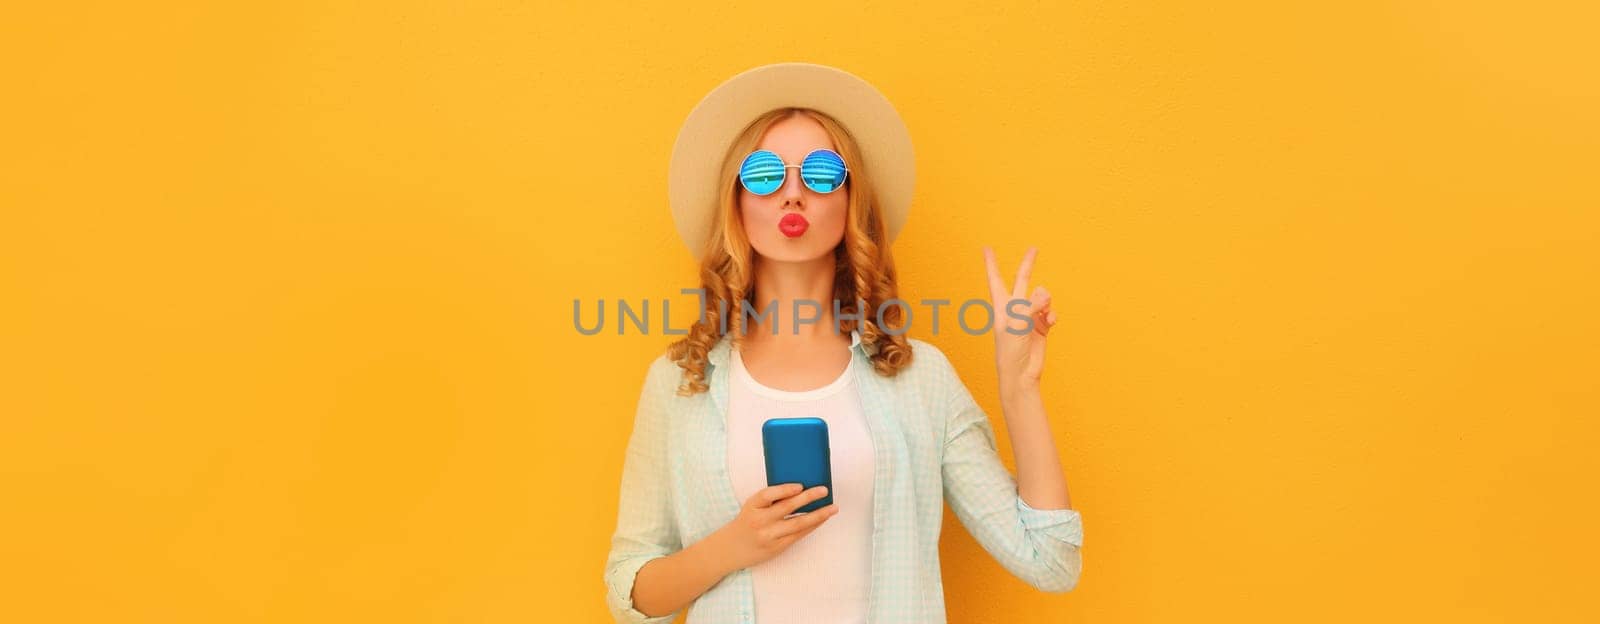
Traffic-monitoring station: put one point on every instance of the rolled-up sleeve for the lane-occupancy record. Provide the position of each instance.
(1039, 546)
(644, 529)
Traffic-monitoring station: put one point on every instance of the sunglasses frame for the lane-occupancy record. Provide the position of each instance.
(787, 167)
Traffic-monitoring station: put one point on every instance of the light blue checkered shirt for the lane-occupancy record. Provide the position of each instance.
(932, 442)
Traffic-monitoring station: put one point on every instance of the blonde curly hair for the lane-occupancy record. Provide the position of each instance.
(865, 268)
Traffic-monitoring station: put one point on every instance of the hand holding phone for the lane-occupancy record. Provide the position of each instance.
(799, 479)
(768, 525)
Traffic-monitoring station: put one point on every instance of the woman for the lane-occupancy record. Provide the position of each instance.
(698, 526)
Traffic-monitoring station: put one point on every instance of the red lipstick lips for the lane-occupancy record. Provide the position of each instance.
(793, 225)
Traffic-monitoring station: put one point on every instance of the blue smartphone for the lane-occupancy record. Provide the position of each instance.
(797, 452)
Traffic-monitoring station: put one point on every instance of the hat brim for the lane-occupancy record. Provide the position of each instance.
(711, 127)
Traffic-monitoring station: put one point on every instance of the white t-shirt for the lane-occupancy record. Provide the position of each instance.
(825, 577)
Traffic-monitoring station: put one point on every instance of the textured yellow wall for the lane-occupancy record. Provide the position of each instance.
(286, 296)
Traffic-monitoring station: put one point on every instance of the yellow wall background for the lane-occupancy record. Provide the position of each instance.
(287, 296)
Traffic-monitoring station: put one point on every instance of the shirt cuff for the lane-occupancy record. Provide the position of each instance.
(621, 582)
(1062, 524)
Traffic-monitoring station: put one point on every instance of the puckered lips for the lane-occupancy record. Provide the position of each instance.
(793, 225)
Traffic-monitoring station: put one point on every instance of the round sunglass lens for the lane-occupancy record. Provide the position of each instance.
(823, 171)
(762, 172)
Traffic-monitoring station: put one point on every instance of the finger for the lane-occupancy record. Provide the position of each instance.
(787, 540)
(1032, 309)
(766, 496)
(997, 286)
(1039, 307)
(1024, 271)
(805, 497)
(806, 522)
(1047, 321)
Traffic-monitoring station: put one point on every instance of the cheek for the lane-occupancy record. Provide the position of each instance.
(837, 209)
(751, 211)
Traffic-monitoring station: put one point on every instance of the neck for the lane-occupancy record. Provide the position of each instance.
(778, 285)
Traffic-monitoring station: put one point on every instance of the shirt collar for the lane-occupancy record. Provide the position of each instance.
(718, 355)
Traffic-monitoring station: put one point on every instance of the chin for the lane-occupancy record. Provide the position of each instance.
(786, 250)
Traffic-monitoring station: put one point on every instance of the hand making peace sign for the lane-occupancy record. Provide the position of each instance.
(1019, 358)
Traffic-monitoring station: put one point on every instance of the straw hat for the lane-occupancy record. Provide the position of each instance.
(705, 136)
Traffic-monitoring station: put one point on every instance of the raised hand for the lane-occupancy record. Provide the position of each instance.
(1019, 357)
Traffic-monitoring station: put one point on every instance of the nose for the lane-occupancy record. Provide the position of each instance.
(792, 190)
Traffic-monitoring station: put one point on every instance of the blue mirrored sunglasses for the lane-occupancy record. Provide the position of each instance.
(763, 171)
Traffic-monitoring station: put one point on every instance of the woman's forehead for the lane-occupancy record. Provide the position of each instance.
(794, 137)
